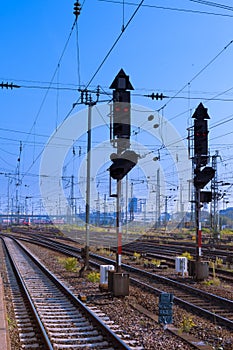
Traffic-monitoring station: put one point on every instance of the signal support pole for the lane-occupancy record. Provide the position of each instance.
(120, 137)
(198, 224)
(122, 162)
(118, 228)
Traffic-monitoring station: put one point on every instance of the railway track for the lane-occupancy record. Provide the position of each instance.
(217, 309)
(48, 315)
(174, 249)
(153, 253)
(169, 258)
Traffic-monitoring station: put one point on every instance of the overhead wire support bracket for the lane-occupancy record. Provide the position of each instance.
(86, 98)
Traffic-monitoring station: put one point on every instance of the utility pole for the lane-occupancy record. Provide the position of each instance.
(126, 206)
(13, 86)
(72, 193)
(181, 205)
(158, 198)
(86, 99)
(9, 213)
(165, 217)
(131, 209)
(105, 208)
(72, 198)
(98, 209)
(215, 196)
(18, 182)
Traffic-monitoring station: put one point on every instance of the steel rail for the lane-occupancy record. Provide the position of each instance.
(109, 334)
(210, 315)
(28, 297)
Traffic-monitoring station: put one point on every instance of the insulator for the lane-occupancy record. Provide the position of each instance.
(77, 9)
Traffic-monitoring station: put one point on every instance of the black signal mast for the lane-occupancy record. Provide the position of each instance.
(124, 159)
(201, 176)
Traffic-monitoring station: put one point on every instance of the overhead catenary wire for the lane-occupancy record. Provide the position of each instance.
(213, 4)
(176, 97)
(53, 76)
(50, 84)
(198, 74)
(171, 8)
(109, 52)
(52, 79)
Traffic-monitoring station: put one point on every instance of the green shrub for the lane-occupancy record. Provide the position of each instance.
(213, 282)
(93, 276)
(187, 255)
(70, 264)
(136, 256)
(186, 324)
(155, 262)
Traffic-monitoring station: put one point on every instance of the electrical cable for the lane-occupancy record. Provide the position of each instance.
(110, 50)
(224, 121)
(213, 4)
(197, 74)
(171, 8)
(78, 56)
(113, 47)
(46, 94)
(54, 74)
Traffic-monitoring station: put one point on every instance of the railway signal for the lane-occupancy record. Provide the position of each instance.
(200, 135)
(205, 196)
(201, 139)
(202, 176)
(122, 164)
(121, 126)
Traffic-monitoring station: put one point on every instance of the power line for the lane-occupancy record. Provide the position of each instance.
(198, 74)
(213, 4)
(65, 88)
(224, 121)
(171, 8)
(54, 74)
(48, 89)
(110, 50)
(116, 41)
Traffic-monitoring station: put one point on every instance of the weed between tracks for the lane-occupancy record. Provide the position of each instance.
(70, 264)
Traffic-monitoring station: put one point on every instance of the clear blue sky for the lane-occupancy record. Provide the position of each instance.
(180, 48)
